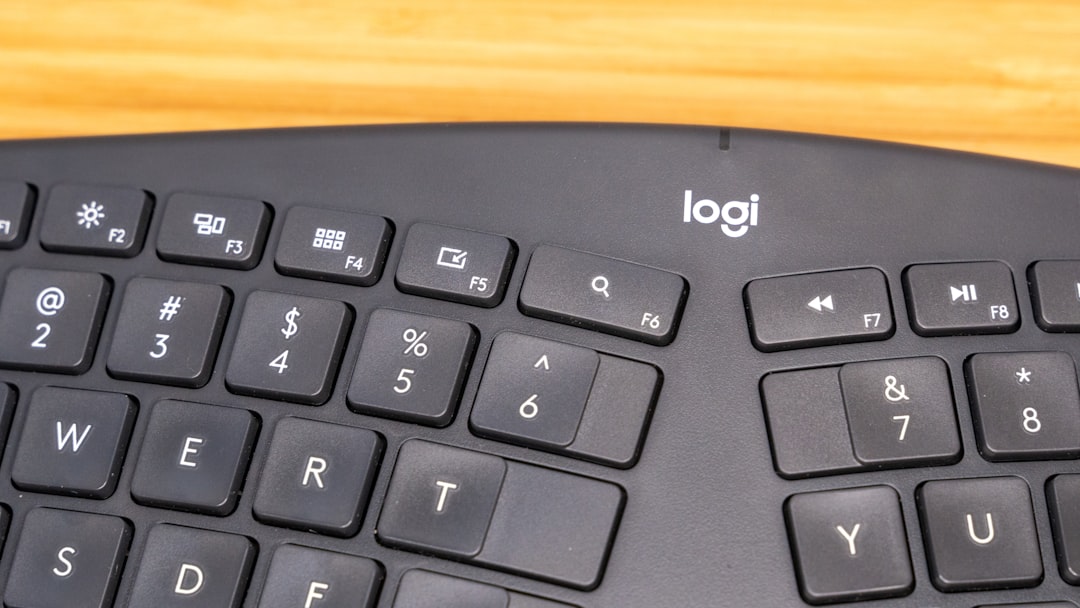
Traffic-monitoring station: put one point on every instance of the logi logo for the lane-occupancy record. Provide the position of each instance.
(738, 216)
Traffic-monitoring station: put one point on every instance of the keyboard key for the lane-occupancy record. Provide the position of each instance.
(333, 245)
(16, 209)
(1036, 605)
(440, 499)
(901, 412)
(213, 231)
(964, 298)
(318, 476)
(50, 319)
(288, 347)
(1055, 294)
(301, 577)
(168, 332)
(849, 545)
(604, 294)
(612, 426)
(808, 427)
(1025, 405)
(469, 505)
(1062, 496)
(194, 457)
(533, 390)
(980, 534)
(97, 220)
(819, 309)
(7, 410)
(456, 265)
(183, 567)
(571, 526)
(73, 442)
(423, 589)
(67, 559)
(5, 522)
(412, 367)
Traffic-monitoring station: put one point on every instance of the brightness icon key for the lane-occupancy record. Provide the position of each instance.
(95, 220)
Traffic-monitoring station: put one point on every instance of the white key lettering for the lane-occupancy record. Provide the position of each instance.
(71, 435)
(63, 555)
(850, 537)
(190, 451)
(444, 489)
(315, 592)
(189, 585)
(315, 468)
(981, 540)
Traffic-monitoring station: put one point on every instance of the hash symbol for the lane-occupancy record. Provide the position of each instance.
(169, 308)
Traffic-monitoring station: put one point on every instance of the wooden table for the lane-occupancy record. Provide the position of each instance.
(1001, 77)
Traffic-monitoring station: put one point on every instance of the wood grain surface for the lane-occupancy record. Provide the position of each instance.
(1001, 77)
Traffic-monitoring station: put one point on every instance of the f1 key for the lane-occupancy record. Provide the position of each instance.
(818, 309)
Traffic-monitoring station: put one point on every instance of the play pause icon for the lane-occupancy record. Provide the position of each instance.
(964, 292)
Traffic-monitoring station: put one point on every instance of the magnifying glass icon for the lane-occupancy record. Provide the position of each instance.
(600, 285)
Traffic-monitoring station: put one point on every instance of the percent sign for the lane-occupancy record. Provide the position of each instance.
(415, 342)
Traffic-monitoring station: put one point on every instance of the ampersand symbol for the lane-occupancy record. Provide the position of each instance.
(893, 392)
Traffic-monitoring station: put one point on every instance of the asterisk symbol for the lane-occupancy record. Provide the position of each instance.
(1023, 376)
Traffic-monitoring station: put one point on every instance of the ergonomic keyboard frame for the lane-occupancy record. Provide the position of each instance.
(703, 523)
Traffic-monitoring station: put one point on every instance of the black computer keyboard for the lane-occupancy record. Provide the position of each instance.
(535, 366)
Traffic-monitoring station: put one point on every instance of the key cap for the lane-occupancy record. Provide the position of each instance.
(612, 427)
(213, 231)
(1055, 294)
(901, 411)
(1025, 406)
(964, 298)
(51, 319)
(288, 347)
(604, 294)
(412, 367)
(819, 309)
(533, 390)
(168, 332)
(16, 209)
(469, 505)
(333, 245)
(1062, 496)
(96, 220)
(183, 567)
(300, 576)
(5, 521)
(456, 265)
(422, 589)
(571, 525)
(807, 423)
(194, 457)
(440, 499)
(73, 442)
(7, 411)
(67, 559)
(318, 476)
(849, 545)
(979, 533)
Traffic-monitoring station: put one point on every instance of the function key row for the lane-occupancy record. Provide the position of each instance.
(843, 306)
(900, 412)
(582, 289)
(980, 534)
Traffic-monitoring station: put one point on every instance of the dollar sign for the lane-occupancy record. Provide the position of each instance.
(290, 318)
